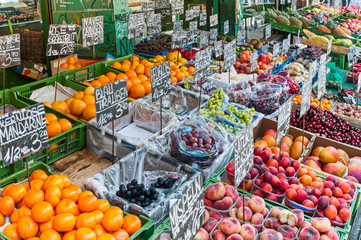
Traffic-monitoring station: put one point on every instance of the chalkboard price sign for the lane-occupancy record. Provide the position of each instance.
(213, 20)
(204, 39)
(322, 76)
(178, 26)
(352, 55)
(23, 132)
(213, 36)
(154, 25)
(121, 23)
(93, 31)
(187, 213)
(202, 64)
(229, 54)
(253, 61)
(226, 27)
(268, 31)
(61, 39)
(135, 25)
(306, 97)
(203, 19)
(218, 48)
(196, 10)
(111, 101)
(147, 7)
(162, 7)
(177, 7)
(179, 40)
(283, 124)
(9, 50)
(193, 25)
(161, 80)
(285, 45)
(192, 36)
(189, 14)
(241, 34)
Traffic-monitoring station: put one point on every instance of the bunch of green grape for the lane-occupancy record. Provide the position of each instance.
(216, 100)
(245, 116)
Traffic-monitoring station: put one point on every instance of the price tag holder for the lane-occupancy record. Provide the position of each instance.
(204, 39)
(243, 156)
(306, 97)
(154, 25)
(202, 64)
(283, 123)
(111, 101)
(218, 48)
(213, 36)
(253, 61)
(213, 20)
(162, 7)
(177, 7)
(9, 51)
(22, 132)
(329, 46)
(229, 54)
(276, 51)
(187, 213)
(161, 80)
(268, 31)
(203, 19)
(135, 25)
(93, 31)
(61, 39)
(226, 27)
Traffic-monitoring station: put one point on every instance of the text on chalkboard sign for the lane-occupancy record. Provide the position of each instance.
(9, 50)
(93, 31)
(178, 26)
(213, 36)
(179, 39)
(203, 19)
(161, 80)
(177, 7)
(147, 7)
(162, 7)
(202, 64)
(203, 39)
(213, 20)
(192, 35)
(230, 54)
(193, 25)
(154, 25)
(135, 25)
(226, 27)
(121, 23)
(61, 39)
(218, 48)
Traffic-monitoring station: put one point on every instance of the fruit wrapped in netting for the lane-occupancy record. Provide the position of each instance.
(265, 97)
(139, 171)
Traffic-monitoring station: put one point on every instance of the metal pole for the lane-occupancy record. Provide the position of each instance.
(94, 61)
(4, 91)
(161, 117)
(113, 140)
(27, 170)
(57, 78)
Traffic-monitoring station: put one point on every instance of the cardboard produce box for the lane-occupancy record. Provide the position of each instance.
(58, 62)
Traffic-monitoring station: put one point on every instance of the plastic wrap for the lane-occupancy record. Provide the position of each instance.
(239, 93)
(144, 165)
(265, 97)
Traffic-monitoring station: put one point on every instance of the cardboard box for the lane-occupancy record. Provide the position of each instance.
(54, 65)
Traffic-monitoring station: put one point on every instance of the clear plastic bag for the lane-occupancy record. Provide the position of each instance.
(265, 97)
(239, 93)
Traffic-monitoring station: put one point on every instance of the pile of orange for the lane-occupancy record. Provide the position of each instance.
(55, 209)
(178, 73)
(309, 178)
(71, 63)
(324, 104)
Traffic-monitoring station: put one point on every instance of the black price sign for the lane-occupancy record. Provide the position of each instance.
(226, 27)
(229, 54)
(213, 20)
(148, 7)
(241, 34)
(243, 156)
(203, 19)
(61, 39)
(193, 25)
(162, 7)
(177, 7)
(154, 25)
(268, 31)
(253, 61)
(179, 39)
(283, 124)
(111, 101)
(202, 64)
(23, 132)
(161, 80)
(276, 51)
(204, 39)
(93, 31)
(9, 50)
(190, 15)
(322, 76)
(178, 26)
(213, 36)
(135, 25)
(121, 24)
(192, 36)
(352, 56)
(187, 213)
(218, 48)
(306, 97)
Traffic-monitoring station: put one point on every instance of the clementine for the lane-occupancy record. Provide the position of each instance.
(77, 106)
(53, 180)
(137, 91)
(85, 233)
(102, 205)
(66, 206)
(65, 124)
(50, 117)
(14, 218)
(52, 195)
(60, 105)
(98, 216)
(42, 212)
(99, 230)
(113, 219)
(131, 223)
(89, 112)
(71, 192)
(116, 65)
(121, 76)
(130, 74)
(89, 100)
(70, 235)
(104, 80)
(121, 235)
(47, 225)
(33, 196)
(7, 206)
(78, 95)
(86, 220)
(106, 236)
(50, 234)
(111, 76)
(139, 70)
(27, 227)
(87, 203)
(89, 91)
(64, 222)
(10, 232)
(147, 87)
(53, 129)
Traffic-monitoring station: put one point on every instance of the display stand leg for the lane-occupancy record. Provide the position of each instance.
(303, 130)
(27, 170)
(161, 116)
(4, 111)
(57, 78)
(113, 140)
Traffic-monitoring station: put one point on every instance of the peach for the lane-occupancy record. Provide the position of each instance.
(316, 192)
(296, 150)
(343, 206)
(248, 232)
(331, 212)
(332, 234)
(231, 192)
(287, 140)
(305, 224)
(313, 199)
(276, 151)
(260, 143)
(272, 197)
(259, 192)
(337, 192)
(309, 233)
(265, 155)
(327, 192)
(275, 212)
(283, 217)
(329, 184)
(202, 234)
(208, 202)
(244, 214)
(241, 200)
(256, 204)
(267, 149)
(215, 215)
(337, 222)
(345, 187)
(302, 139)
(342, 201)
(272, 163)
(266, 186)
(334, 201)
(296, 165)
(284, 148)
(286, 231)
(301, 196)
(300, 216)
(275, 181)
(210, 224)
(233, 212)
(345, 214)
(268, 234)
(347, 197)
(229, 226)
(322, 224)
(257, 219)
(273, 170)
(271, 141)
(257, 150)
(267, 177)
(234, 237)
(285, 162)
(292, 220)
(343, 156)
(291, 194)
(324, 237)
(290, 172)
(328, 155)
(206, 215)
(265, 212)
(281, 176)
(272, 222)
(316, 151)
(351, 178)
(223, 204)
(308, 203)
(215, 191)
(218, 235)
(257, 160)
(271, 132)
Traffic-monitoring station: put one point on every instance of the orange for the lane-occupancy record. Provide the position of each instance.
(144, 61)
(102, 205)
(186, 74)
(111, 76)
(47, 225)
(10, 232)
(65, 125)
(147, 87)
(104, 80)
(33, 238)
(99, 230)
(139, 70)
(98, 216)
(86, 83)
(116, 65)
(86, 220)
(17, 192)
(130, 74)
(190, 70)
(126, 62)
(312, 174)
(33, 196)
(106, 236)
(42, 212)
(65, 179)
(142, 78)
(71, 60)
(129, 85)
(131, 223)
(183, 68)
(52, 195)
(78, 95)
(64, 222)
(147, 71)
(89, 91)
(50, 117)
(302, 172)
(77, 106)
(134, 80)
(69, 100)
(85, 233)
(121, 76)
(89, 112)
(137, 91)
(71, 192)
(70, 235)
(53, 129)
(53, 180)
(49, 149)
(24, 211)
(121, 235)
(125, 67)
(134, 59)
(89, 100)
(14, 218)
(66, 206)
(7, 206)
(179, 75)
(20, 204)
(2, 220)
(64, 65)
(96, 83)
(47, 104)
(62, 106)
(78, 65)
(85, 193)
(173, 79)
(27, 227)
(113, 219)
(50, 234)
(87, 203)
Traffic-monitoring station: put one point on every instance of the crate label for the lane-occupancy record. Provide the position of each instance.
(268, 31)
(202, 64)
(226, 27)
(230, 54)
(253, 61)
(213, 20)
(161, 80)
(135, 25)
(203, 19)
(213, 36)
(154, 25)
(283, 123)
(61, 39)
(177, 7)
(306, 97)
(162, 7)
(23, 132)
(111, 101)
(93, 31)
(9, 50)
(187, 213)
(179, 39)
(243, 156)
(203, 39)
(218, 48)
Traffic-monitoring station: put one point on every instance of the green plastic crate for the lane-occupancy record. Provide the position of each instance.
(164, 227)
(68, 142)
